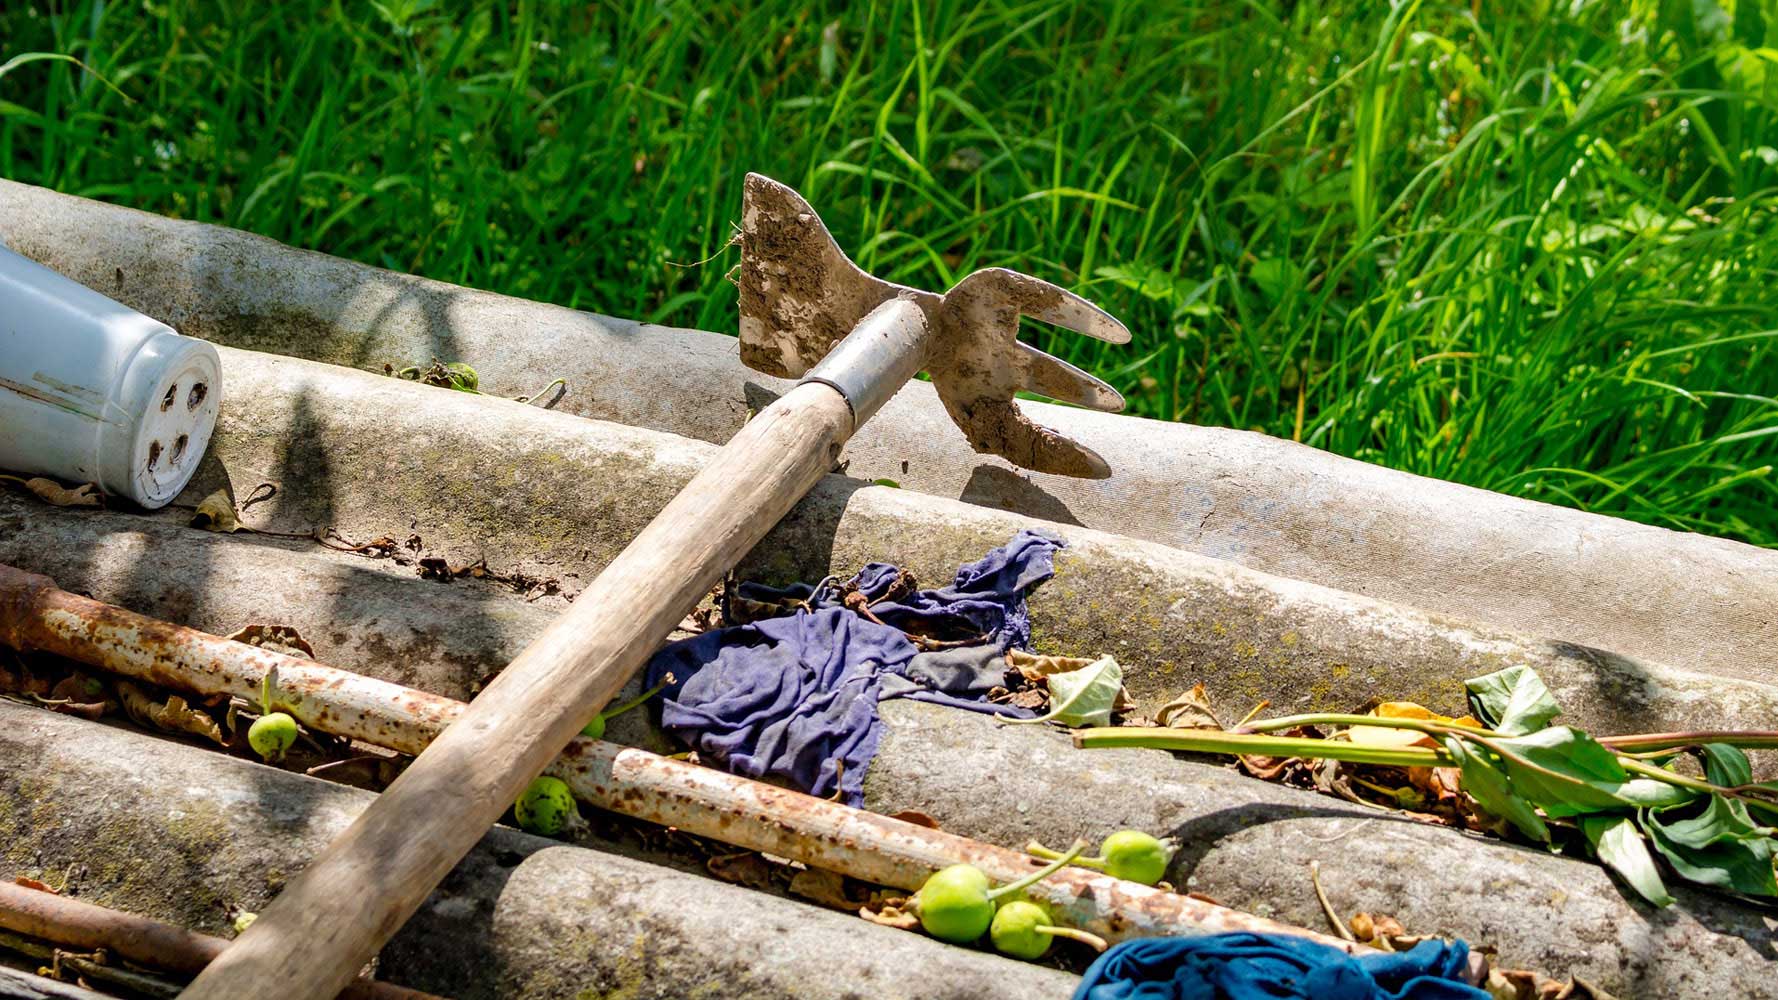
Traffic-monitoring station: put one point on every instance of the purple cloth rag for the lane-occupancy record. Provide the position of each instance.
(796, 697)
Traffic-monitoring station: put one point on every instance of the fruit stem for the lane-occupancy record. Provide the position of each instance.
(266, 680)
(1752, 739)
(1210, 741)
(1087, 938)
(1020, 885)
(539, 394)
(1344, 719)
(609, 713)
(1035, 849)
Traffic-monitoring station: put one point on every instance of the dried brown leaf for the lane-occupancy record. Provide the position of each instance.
(1524, 984)
(822, 886)
(54, 493)
(1034, 667)
(435, 568)
(744, 868)
(92, 711)
(1266, 768)
(1190, 710)
(31, 685)
(174, 716)
(80, 696)
(31, 883)
(277, 638)
(890, 911)
(1368, 928)
(915, 817)
(1440, 785)
(217, 513)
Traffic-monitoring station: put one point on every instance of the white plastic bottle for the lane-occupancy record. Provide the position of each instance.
(92, 391)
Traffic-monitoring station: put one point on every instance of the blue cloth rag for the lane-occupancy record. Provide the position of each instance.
(796, 697)
(1245, 966)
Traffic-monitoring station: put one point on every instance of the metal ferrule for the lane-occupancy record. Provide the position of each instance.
(879, 356)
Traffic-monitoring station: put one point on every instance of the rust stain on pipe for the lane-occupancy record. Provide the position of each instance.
(36, 615)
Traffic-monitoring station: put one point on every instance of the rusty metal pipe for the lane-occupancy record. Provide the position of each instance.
(36, 615)
(74, 923)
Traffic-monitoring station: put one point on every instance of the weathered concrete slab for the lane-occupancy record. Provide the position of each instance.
(1246, 842)
(551, 495)
(1643, 592)
(187, 835)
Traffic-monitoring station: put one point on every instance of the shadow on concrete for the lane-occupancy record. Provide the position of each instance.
(1001, 488)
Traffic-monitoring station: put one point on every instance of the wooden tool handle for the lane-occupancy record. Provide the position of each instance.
(337, 914)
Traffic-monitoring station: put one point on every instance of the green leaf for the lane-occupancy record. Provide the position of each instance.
(1727, 765)
(1513, 701)
(1615, 840)
(1719, 846)
(1275, 277)
(1488, 785)
(1084, 697)
(1568, 773)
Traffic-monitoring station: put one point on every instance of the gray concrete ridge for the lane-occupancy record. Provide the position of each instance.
(1684, 600)
(188, 836)
(528, 491)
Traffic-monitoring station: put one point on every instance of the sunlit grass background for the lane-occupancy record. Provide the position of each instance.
(1528, 246)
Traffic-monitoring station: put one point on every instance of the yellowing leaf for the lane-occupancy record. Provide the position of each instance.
(1378, 736)
(216, 513)
(52, 492)
(1190, 710)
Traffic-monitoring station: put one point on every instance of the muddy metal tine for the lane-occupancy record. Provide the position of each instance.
(1048, 375)
(1053, 304)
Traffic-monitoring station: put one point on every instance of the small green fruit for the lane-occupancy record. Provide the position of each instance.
(462, 377)
(272, 734)
(595, 730)
(545, 807)
(954, 904)
(1015, 930)
(1136, 856)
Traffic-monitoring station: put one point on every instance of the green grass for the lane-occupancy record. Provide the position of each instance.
(1536, 251)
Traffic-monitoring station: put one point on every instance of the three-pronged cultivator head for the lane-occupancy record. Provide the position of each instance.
(800, 295)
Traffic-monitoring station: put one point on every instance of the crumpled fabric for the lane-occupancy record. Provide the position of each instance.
(1246, 966)
(796, 697)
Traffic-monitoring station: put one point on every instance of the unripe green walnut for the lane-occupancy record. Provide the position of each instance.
(1015, 930)
(954, 904)
(595, 730)
(545, 807)
(1136, 856)
(957, 903)
(1126, 854)
(272, 734)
